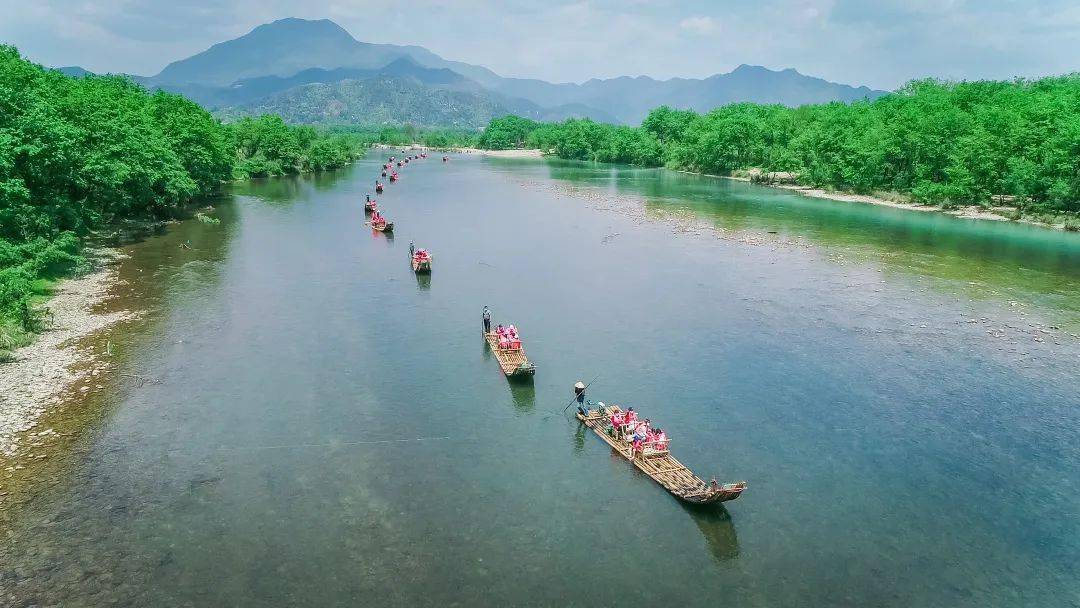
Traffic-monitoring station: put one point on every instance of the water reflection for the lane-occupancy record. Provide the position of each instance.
(524, 394)
(423, 280)
(383, 236)
(717, 528)
(270, 189)
(327, 180)
(579, 438)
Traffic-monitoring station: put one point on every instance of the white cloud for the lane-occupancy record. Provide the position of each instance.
(699, 25)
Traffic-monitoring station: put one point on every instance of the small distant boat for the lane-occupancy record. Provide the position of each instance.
(445, 158)
(421, 261)
(370, 207)
(399, 163)
(512, 361)
(378, 188)
(393, 177)
(659, 464)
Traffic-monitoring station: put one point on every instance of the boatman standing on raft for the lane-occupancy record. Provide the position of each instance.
(579, 394)
(487, 320)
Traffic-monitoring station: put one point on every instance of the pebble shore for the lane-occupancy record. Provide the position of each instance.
(40, 372)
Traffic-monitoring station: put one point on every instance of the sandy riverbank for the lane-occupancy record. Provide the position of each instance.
(477, 151)
(40, 372)
(971, 212)
(500, 153)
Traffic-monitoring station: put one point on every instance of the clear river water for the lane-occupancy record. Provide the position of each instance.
(298, 420)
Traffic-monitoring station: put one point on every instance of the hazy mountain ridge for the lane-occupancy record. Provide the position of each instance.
(631, 98)
(389, 99)
(255, 71)
(377, 100)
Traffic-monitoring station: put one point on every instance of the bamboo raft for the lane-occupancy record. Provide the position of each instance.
(662, 466)
(513, 361)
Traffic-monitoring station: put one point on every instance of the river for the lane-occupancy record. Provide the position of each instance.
(301, 421)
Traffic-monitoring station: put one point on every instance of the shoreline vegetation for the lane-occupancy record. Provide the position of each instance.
(79, 155)
(987, 149)
(86, 156)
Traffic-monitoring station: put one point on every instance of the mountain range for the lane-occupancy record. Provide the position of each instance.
(316, 72)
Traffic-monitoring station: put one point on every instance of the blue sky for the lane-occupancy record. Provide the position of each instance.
(880, 44)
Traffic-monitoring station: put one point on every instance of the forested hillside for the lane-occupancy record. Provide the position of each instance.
(1014, 143)
(382, 100)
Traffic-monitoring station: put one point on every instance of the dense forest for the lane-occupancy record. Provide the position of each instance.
(1011, 143)
(76, 153)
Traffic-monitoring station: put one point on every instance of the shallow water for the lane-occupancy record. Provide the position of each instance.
(312, 425)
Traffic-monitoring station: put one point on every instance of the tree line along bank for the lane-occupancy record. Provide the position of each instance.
(991, 143)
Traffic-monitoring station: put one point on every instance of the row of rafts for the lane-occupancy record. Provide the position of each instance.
(632, 439)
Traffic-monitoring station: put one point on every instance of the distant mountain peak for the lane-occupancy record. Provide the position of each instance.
(745, 68)
(311, 27)
(280, 48)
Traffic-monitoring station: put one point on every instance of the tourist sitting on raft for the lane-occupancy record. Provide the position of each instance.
(639, 434)
(507, 337)
(377, 219)
(421, 255)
